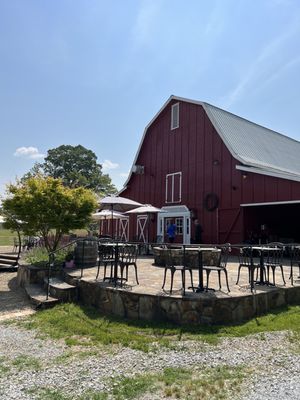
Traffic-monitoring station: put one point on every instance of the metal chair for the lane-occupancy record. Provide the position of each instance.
(246, 260)
(174, 264)
(106, 256)
(294, 250)
(274, 260)
(127, 257)
(222, 254)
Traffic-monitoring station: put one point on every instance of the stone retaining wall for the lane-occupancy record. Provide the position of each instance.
(191, 309)
(207, 309)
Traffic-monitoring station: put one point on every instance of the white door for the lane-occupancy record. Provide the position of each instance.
(141, 228)
(124, 229)
(183, 223)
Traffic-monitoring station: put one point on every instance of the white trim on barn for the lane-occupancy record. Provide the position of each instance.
(271, 203)
(268, 173)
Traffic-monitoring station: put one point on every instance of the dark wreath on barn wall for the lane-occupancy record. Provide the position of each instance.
(211, 202)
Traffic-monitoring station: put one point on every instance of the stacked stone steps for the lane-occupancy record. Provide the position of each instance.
(8, 262)
(37, 295)
(59, 291)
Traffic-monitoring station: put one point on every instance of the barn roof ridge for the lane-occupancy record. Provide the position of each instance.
(241, 137)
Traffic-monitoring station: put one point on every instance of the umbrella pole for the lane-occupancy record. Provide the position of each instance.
(112, 222)
(148, 233)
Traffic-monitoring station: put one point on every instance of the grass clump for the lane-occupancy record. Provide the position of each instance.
(47, 394)
(24, 362)
(211, 383)
(133, 388)
(4, 368)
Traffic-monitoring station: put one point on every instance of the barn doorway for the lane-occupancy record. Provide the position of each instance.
(272, 222)
(182, 218)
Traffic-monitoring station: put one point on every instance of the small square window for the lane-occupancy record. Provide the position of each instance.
(175, 116)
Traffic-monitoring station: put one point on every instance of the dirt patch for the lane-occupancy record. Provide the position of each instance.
(13, 299)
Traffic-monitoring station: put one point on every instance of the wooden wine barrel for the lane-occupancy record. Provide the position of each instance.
(86, 253)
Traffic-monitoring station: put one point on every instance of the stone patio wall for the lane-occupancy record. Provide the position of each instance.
(205, 309)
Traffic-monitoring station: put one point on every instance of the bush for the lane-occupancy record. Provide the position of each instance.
(39, 256)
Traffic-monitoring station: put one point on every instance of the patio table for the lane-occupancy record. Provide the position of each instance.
(201, 250)
(262, 251)
(116, 247)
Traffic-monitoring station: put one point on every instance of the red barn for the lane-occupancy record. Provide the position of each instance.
(197, 161)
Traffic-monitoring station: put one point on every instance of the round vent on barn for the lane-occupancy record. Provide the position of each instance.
(211, 201)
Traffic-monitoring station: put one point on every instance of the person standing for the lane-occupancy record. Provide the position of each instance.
(171, 231)
(198, 231)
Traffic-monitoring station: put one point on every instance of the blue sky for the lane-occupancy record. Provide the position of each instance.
(95, 72)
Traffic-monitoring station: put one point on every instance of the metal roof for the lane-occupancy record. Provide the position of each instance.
(254, 145)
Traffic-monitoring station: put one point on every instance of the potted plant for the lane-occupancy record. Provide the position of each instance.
(69, 260)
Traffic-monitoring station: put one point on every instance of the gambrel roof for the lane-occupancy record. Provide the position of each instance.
(258, 149)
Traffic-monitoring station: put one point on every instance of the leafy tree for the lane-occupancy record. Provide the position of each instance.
(44, 205)
(76, 166)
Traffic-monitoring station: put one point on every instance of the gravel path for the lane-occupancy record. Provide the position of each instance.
(273, 360)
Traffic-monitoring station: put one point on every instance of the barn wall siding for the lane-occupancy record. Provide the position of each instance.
(196, 150)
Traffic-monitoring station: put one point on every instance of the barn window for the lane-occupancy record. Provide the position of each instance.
(173, 188)
(179, 225)
(175, 116)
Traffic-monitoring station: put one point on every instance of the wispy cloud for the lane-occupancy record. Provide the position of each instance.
(145, 21)
(263, 65)
(124, 174)
(108, 165)
(215, 21)
(28, 152)
(283, 69)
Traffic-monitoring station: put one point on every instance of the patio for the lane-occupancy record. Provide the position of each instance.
(148, 301)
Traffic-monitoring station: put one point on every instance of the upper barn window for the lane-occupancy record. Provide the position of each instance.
(173, 187)
(175, 116)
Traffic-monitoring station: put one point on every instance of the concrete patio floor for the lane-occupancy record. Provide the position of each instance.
(151, 278)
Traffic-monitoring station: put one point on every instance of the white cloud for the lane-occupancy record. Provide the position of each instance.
(28, 152)
(107, 165)
(124, 174)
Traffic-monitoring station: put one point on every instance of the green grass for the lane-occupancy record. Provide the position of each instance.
(24, 362)
(4, 368)
(79, 325)
(210, 383)
(47, 394)
(7, 237)
(217, 383)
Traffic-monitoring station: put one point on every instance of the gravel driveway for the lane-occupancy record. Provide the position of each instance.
(49, 364)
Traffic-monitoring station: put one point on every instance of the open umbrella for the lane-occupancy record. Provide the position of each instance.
(105, 215)
(146, 209)
(117, 203)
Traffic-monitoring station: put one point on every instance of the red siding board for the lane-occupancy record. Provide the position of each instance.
(284, 190)
(295, 188)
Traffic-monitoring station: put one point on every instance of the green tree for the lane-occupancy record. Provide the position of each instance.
(44, 205)
(76, 166)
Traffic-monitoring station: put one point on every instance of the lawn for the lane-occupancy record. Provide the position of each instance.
(90, 334)
(80, 325)
(7, 237)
